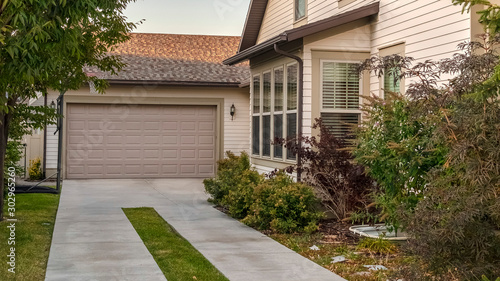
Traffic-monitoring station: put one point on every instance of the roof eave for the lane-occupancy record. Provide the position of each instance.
(303, 31)
(255, 50)
(174, 83)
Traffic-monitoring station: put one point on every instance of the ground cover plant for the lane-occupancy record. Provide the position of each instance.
(334, 240)
(175, 256)
(35, 214)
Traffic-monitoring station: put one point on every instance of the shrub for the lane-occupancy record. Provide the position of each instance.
(35, 171)
(454, 219)
(327, 165)
(395, 145)
(284, 206)
(233, 185)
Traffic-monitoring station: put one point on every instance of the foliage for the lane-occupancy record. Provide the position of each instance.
(233, 186)
(395, 144)
(454, 225)
(284, 206)
(378, 245)
(276, 203)
(442, 141)
(47, 45)
(327, 166)
(35, 170)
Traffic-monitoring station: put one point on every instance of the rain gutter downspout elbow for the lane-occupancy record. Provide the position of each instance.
(300, 102)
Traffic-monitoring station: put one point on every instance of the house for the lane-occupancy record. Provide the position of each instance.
(301, 52)
(167, 114)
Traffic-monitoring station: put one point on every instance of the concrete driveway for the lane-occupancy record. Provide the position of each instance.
(93, 239)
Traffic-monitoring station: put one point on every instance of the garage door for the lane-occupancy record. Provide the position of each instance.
(140, 141)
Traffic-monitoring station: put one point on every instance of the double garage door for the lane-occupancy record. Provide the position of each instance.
(140, 141)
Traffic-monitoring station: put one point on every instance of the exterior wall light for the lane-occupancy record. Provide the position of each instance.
(232, 111)
(53, 105)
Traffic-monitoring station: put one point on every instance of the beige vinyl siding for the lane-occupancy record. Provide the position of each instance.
(429, 29)
(237, 131)
(278, 18)
(52, 147)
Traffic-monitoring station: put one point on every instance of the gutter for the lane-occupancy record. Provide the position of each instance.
(300, 109)
(174, 83)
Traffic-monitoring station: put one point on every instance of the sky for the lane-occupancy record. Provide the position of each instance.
(200, 17)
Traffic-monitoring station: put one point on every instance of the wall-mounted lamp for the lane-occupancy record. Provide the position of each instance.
(232, 111)
(53, 105)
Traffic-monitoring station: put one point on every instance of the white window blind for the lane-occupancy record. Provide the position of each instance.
(340, 86)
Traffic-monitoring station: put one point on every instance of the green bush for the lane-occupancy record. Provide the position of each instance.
(284, 206)
(278, 203)
(35, 170)
(232, 188)
(395, 145)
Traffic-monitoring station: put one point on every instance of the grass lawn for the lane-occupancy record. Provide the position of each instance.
(175, 256)
(35, 215)
(366, 252)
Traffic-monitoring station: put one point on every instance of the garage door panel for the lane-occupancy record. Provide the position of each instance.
(140, 141)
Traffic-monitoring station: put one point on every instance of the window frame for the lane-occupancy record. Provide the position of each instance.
(257, 114)
(395, 49)
(284, 127)
(295, 18)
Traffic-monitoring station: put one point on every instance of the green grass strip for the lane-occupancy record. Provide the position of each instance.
(35, 214)
(175, 256)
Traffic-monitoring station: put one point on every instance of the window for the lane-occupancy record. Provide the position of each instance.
(266, 114)
(278, 110)
(291, 108)
(256, 116)
(274, 113)
(300, 9)
(391, 81)
(340, 91)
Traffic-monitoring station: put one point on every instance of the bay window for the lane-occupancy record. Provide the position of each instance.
(274, 113)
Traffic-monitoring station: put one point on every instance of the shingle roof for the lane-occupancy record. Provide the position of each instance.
(188, 59)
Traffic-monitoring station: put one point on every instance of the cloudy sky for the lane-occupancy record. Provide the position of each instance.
(209, 17)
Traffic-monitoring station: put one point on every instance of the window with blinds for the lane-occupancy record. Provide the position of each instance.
(341, 89)
(340, 86)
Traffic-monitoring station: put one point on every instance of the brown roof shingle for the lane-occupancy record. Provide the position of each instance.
(178, 59)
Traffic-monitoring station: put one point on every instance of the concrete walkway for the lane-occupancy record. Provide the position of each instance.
(93, 239)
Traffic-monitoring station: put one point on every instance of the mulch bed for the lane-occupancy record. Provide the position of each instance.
(31, 189)
(335, 232)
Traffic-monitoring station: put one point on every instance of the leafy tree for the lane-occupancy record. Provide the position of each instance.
(45, 45)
